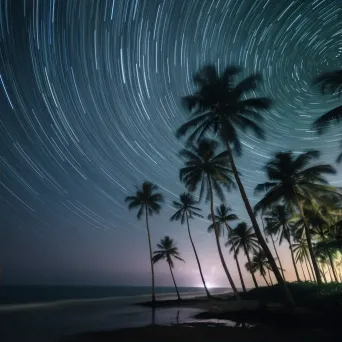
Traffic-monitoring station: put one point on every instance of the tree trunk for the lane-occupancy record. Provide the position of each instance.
(276, 252)
(312, 271)
(257, 230)
(269, 275)
(292, 256)
(307, 268)
(332, 265)
(236, 260)
(174, 281)
(231, 282)
(308, 239)
(249, 263)
(152, 268)
(197, 259)
(301, 265)
(265, 280)
(323, 274)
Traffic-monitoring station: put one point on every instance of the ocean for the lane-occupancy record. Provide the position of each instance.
(47, 313)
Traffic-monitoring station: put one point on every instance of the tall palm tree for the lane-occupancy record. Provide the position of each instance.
(167, 250)
(243, 237)
(210, 171)
(148, 202)
(259, 263)
(301, 253)
(330, 83)
(223, 217)
(270, 231)
(292, 181)
(278, 223)
(185, 210)
(219, 106)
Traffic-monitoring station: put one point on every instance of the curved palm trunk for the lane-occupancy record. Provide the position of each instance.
(292, 256)
(308, 239)
(263, 275)
(269, 275)
(301, 265)
(149, 244)
(332, 266)
(323, 274)
(197, 259)
(257, 230)
(329, 271)
(174, 282)
(276, 252)
(249, 263)
(312, 271)
(307, 268)
(237, 261)
(231, 282)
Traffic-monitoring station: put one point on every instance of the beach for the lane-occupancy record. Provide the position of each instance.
(53, 320)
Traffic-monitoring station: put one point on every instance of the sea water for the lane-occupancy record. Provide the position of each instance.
(47, 313)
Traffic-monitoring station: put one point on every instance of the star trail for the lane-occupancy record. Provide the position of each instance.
(90, 99)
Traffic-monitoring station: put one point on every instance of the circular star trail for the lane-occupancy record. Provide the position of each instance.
(90, 96)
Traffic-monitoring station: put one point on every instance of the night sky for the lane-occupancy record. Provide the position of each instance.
(90, 99)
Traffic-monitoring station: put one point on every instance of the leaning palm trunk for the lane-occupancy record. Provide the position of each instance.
(174, 282)
(261, 239)
(230, 279)
(311, 269)
(308, 239)
(293, 259)
(276, 252)
(323, 274)
(269, 275)
(265, 280)
(197, 259)
(301, 266)
(332, 266)
(152, 268)
(307, 269)
(237, 261)
(249, 263)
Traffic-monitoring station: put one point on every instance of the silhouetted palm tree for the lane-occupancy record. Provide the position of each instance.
(148, 203)
(270, 231)
(186, 210)
(278, 223)
(292, 181)
(209, 171)
(259, 263)
(301, 253)
(219, 106)
(167, 251)
(223, 217)
(243, 237)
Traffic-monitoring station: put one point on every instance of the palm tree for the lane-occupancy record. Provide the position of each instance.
(209, 171)
(243, 237)
(301, 253)
(186, 210)
(219, 106)
(270, 230)
(330, 83)
(278, 223)
(292, 181)
(222, 217)
(148, 203)
(167, 250)
(259, 263)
